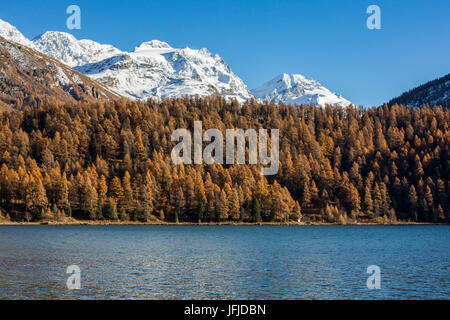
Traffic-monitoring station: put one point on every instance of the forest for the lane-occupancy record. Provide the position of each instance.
(111, 161)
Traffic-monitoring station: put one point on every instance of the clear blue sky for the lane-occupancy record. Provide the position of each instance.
(324, 39)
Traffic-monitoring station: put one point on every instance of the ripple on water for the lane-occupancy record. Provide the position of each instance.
(224, 262)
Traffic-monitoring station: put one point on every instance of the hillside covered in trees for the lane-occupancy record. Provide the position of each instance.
(435, 92)
(111, 161)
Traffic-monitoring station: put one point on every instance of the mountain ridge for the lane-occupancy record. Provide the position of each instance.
(11, 33)
(27, 73)
(73, 52)
(155, 69)
(434, 92)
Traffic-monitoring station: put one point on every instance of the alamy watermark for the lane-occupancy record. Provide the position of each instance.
(374, 20)
(374, 280)
(214, 151)
(74, 20)
(74, 280)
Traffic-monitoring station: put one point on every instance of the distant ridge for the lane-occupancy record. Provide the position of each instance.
(435, 92)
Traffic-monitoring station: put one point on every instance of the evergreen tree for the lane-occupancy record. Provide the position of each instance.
(201, 211)
(256, 210)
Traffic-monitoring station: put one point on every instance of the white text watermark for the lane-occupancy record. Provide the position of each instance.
(234, 139)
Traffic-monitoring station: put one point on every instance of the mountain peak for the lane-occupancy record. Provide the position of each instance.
(297, 89)
(49, 35)
(153, 44)
(71, 51)
(291, 79)
(9, 32)
(154, 68)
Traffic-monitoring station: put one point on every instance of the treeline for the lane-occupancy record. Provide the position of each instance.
(112, 161)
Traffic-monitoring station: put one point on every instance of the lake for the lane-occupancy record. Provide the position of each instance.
(225, 262)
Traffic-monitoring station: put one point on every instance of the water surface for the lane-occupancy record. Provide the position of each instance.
(225, 262)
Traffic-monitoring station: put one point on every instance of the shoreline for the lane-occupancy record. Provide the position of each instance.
(74, 222)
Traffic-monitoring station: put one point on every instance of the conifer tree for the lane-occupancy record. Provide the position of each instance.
(222, 205)
(412, 199)
(256, 210)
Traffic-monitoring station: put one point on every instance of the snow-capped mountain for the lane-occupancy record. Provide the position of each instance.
(155, 69)
(10, 33)
(296, 89)
(67, 49)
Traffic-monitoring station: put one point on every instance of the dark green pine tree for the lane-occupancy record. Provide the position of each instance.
(242, 214)
(99, 210)
(201, 211)
(256, 210)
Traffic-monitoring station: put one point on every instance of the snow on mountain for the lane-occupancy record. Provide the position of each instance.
(296, 89)
(154, 44)
(28, 72)
(433, 93)
(155, 69)
(10, 33)
(67, 49)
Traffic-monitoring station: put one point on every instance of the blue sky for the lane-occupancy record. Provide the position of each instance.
(324, 39)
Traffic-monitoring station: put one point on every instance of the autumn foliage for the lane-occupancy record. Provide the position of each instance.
(111, 161)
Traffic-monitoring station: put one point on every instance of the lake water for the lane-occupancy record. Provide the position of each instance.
(225, 262)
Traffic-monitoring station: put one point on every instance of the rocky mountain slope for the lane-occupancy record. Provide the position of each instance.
(26, 73)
